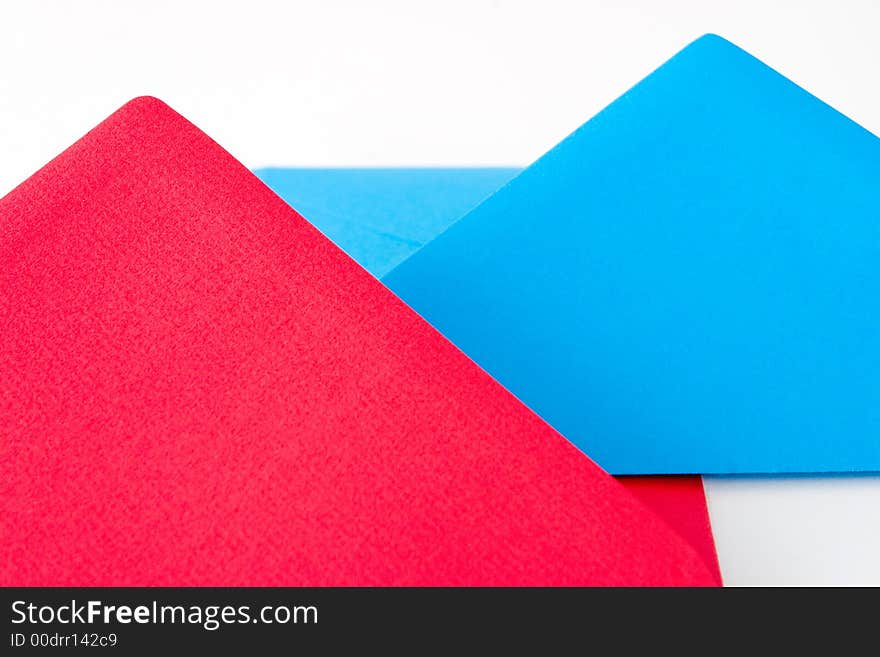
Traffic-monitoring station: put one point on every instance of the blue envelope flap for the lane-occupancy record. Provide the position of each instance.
(689, 283)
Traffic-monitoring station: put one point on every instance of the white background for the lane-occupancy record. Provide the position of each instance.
(447, 83)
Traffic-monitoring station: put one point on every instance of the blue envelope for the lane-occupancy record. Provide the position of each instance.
(381, 216)
(689, 283)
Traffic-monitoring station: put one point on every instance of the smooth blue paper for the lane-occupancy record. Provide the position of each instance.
(381, 216)
(689, 283)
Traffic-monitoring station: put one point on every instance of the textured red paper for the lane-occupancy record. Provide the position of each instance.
(681, 502)
(200, 389)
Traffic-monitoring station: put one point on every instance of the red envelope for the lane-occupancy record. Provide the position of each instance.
(681, 501)
(198, 388)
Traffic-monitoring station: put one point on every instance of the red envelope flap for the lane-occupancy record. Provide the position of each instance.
(198, 388)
